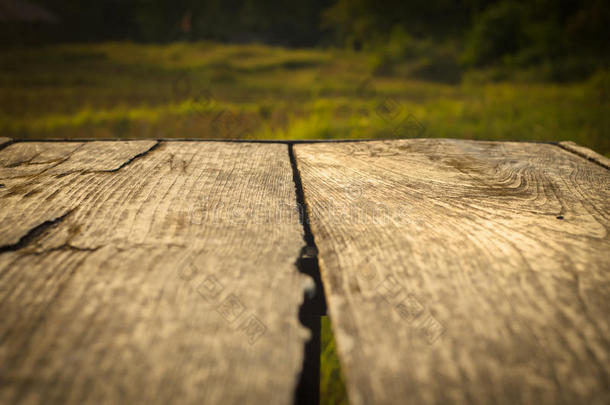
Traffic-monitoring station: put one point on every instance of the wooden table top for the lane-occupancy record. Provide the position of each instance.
(455, 272)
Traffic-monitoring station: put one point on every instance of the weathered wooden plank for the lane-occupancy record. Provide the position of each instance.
(4, 140)
(162, 281)
(24, 159)
(586, 153)
(38, 179)
(461, 272)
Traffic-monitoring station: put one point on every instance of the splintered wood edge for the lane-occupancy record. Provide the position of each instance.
(585, 153)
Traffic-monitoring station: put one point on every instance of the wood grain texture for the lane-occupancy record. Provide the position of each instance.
(149, 276)
(39, 179)
(462, 272)
(586, 153)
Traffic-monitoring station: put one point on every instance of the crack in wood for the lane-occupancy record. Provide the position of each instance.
(127, 162)
(34, 233)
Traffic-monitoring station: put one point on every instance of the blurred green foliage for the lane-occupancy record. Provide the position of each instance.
(212, 90)
(560, 40)
(332, 383)
(497, 32)
(271, 21)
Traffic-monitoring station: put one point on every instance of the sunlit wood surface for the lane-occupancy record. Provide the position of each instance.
(130, 273)
(462, 272)
(456, 272)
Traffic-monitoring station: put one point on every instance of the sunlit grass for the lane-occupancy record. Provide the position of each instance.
(332, 383)
(178, 90)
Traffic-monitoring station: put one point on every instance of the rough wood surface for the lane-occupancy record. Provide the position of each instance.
(145, 273)
(462, 272)
(586, 153)
(41, 182)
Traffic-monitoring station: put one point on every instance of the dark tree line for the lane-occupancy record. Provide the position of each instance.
(490, 29)
(518, 32)
(279, 22)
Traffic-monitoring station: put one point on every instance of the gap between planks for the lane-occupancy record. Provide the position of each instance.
(115, 243)
(490, 288)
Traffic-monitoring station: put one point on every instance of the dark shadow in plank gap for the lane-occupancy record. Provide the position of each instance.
(314, 304)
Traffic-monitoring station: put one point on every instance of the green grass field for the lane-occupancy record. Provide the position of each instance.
(332, 386)
(208, 90)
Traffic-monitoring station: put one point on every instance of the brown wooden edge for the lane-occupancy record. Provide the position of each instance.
(585, 153)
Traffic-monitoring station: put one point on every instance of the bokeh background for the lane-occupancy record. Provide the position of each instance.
(476, 69)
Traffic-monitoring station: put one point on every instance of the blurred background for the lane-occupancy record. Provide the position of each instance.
(479, 69)
(476, 69)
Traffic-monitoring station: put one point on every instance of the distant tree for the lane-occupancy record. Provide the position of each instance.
(565, 34)
(498, 31)
(357, 22)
